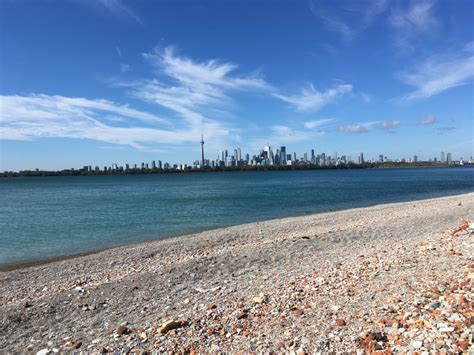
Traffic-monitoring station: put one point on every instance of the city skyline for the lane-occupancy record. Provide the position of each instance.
(130, 81)
(266, 156)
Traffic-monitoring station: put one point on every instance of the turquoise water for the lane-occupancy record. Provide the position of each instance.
(53, 216)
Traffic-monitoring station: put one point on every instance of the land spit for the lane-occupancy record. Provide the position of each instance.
(388, 277)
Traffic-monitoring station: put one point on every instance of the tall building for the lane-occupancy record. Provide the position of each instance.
(202, 150)
(153, 164)
(159, 164)
(361, 158)
(283, 155)
(415, 158)
(448, 158)
(312, 156)
(442, 159)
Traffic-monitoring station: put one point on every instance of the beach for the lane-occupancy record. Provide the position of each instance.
(386, 277)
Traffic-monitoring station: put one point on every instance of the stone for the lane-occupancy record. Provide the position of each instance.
(241, 315)
(340, 322)
(167, 326)
(122, 330)
(74, 344)
(43, 352)
(417, 344)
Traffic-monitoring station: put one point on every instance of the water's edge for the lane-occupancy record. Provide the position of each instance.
(41, 262)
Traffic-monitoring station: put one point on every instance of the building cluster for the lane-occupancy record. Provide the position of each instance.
(278, 157)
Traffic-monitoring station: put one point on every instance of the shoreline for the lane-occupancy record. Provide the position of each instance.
(387, 277)
(369, 166)
(55, 259)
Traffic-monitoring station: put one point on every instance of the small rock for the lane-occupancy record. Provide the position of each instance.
(168, 325)
(122, 330)
(241, 315)
(43, 352)
(417, 344)
(74, 344)
(340, 322)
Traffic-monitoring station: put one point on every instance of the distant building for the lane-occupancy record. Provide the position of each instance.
(448, 158)
(153, 164)
(442, 159)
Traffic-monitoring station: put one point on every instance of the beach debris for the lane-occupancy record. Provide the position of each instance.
(168, 325)
(463, 225)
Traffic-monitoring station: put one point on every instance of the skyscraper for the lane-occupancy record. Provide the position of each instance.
(442, 159)
(202, 150)
(448, 158)
(283, 155)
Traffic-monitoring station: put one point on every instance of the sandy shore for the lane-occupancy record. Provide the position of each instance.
(387, 277)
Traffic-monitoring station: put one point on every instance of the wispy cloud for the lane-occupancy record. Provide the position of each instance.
(45, 116)
(124, 67)
(388, 124)
(411, 22)
(285, 134)
(440, 73)
(187, 87)
(118, 9)
(428, 120)
(353, 128)
(312, 100)
(347, 18)
(316, 124)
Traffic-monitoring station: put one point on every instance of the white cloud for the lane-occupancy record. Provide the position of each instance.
(311, 100)
(317, 123)
(410, 23)
(124, 67)
(186, 86)
(429, 120)
(440, 73)
(388, 124)
(348, 18)
(353, 128)
(44, 116)
(119, 9)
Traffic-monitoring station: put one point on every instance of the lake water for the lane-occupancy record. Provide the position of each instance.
(48, 217)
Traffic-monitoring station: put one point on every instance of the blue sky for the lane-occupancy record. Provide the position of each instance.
(96, 82)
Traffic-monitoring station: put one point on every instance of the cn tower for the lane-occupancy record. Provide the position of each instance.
(202, 150)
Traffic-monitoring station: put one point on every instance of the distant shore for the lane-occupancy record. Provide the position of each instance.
(307, 166)
(383, 277)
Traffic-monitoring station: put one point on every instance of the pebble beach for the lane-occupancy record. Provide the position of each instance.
(392, 278)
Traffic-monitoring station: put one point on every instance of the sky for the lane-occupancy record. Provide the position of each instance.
(98, 82)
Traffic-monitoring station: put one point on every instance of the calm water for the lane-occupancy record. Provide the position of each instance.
(53, 216)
